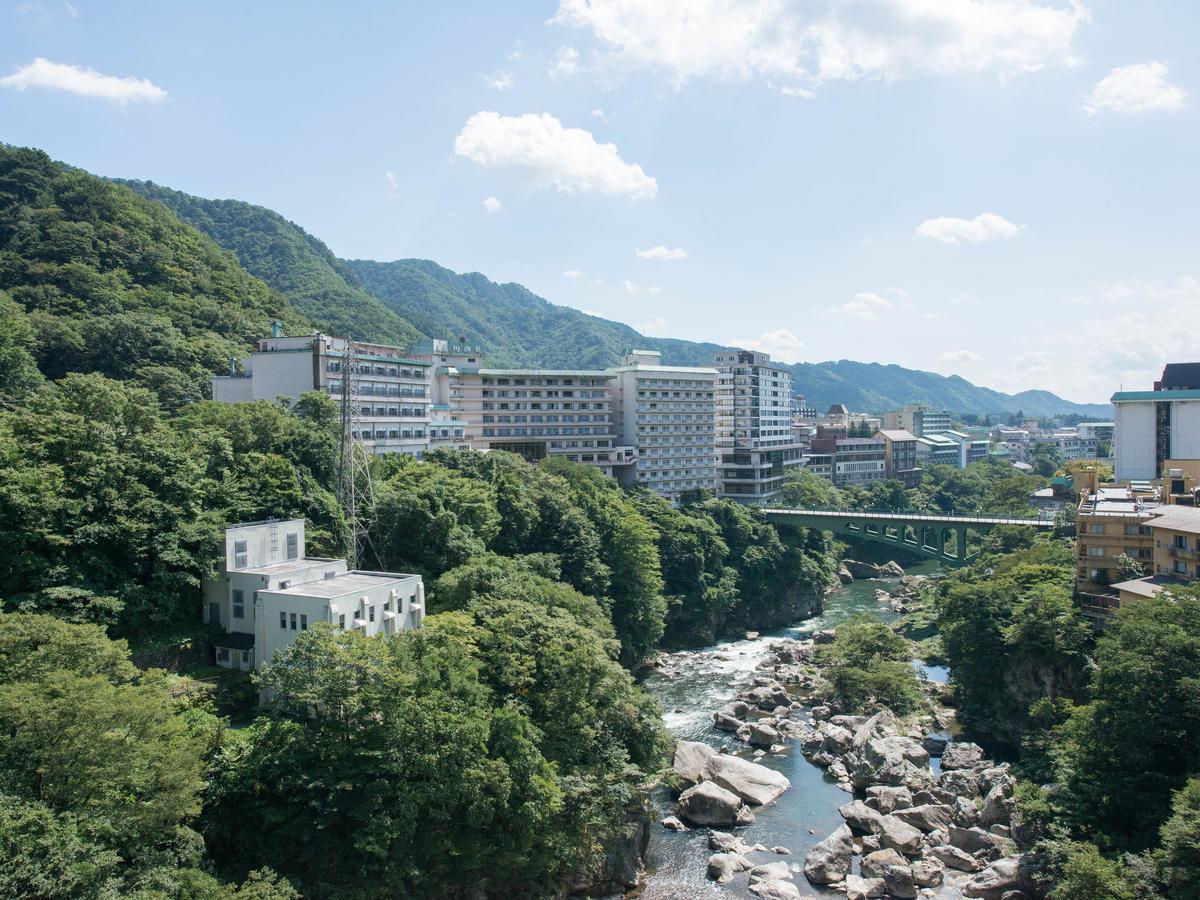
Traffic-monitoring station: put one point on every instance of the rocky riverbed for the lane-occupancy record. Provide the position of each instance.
(783, 796)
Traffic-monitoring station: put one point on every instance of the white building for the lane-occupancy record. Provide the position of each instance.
(970, 449)
(268, 591)
(668, 415)
(756, 442)
(1154, 426)
(391, 408)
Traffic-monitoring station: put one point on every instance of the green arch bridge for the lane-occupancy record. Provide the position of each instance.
(940, 536)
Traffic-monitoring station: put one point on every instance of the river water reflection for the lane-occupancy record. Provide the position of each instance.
(701, 682)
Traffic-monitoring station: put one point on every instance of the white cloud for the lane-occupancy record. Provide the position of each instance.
(1131, 89)
(568, 158)
(632, 287)
(823, 40)
(565, 62)
(572, 273)
(791, 90)
(42, 73)
(653, 324)
(72, 9)
(662, 252)
(984, 227)
(781, 344)
(865, 306)
(599, 114)
(491, 204)
(499, 80)
(961, 357)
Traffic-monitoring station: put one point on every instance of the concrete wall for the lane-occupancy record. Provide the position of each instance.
(1185, 430)
(258, 542)
(232, 388)
(283, 374)
(1134, 443)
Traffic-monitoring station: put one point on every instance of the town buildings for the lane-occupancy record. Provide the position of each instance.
(919, 419)
(1157, 425)
(268, 590)
(900, 458)
(756, 443)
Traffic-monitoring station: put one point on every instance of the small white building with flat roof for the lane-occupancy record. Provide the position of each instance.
(268, 591)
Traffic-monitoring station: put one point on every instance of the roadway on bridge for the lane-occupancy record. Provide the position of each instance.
(896, 516)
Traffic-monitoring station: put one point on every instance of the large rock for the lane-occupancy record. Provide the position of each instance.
(859, 888)
(881, 725)
(998, 806)
(709, 804)
(836, 740)
(696, 762)
(873, 864)
(723, 866)
(891, 569)
(843, 574)
(831, 859)
(860, 817)
(899, 835)
(966, 813)
(888, 799)
(899, 881)
(961, 755)
(993, 882)
(776, 871)
(929, 817)
(927, 873)
(775, 889)
(759, 734)
(895, 760)
(953, 858)
(724, 842)
(862, 569)
(962, 782)
(725, 722)
(972, 840)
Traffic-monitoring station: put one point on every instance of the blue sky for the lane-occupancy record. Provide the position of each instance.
(1003, 189)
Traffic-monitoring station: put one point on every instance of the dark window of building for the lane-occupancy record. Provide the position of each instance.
(371, 614)
(282, 619)
(239, 605)
(342, 620)
(293, 621)
(303, 622)
(222, 654)
(293, 545)
(239, 554)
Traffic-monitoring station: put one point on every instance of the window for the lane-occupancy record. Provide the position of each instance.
(293, 545)
(1181, 542)
(303, 622)
(1096, 551)
(1181, 567)
(222, 654)
(371, 614)
(282, 619)
(293, 621)
(341, 620)
(239, 555)
(239, 605)
(1096, 529)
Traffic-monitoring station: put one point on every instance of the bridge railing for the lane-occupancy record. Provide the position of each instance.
(934, 515)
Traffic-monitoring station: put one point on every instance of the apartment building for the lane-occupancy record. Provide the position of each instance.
(938, 450)
(918, 419)
(391, 403)
(668, 415)
(1157, 425)
(900, 457)
(268, 591)
(1110, 521)
(860, 461)
(970, 449)
(756, 443)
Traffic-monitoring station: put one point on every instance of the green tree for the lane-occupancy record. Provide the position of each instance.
(1179, 858)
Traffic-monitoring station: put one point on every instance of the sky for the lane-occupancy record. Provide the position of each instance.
(1000, 189)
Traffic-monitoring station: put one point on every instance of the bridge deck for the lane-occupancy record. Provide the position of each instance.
(894, 516)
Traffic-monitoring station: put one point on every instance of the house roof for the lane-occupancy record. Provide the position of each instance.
(235, 640)
(341, 585)
(1147, 587)
(1177, 518)
(1180, 376)
(897, 434)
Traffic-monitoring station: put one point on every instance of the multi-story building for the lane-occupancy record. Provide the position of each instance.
(1157, 425)
(918, 419)
(1111, 520)
(859, 461)
(1176, 555)
(900, 457)
(267, 591)
(668, 414)
(970, 449)
(756, 444)
(391, 403)
(938, 450)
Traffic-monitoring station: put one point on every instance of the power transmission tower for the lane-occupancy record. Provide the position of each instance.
(354, 471)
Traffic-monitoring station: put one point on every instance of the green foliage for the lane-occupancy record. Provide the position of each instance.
(19, 373)
(1082, 873)
(805, 489)
(869, 666)
(1179, 858)
(291, 261)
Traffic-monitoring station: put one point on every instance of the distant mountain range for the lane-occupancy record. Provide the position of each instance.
(396, 302)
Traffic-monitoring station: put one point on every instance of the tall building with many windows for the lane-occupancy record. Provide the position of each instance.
(668, 415)
(1155, 426)
(391, 402)
(756, 443)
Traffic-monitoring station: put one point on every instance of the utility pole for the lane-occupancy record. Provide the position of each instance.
(354, 471)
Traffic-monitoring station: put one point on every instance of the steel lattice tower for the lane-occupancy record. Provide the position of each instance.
(354, 471)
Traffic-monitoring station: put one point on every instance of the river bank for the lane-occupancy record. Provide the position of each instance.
(691, 685)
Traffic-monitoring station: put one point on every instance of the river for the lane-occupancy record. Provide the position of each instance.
(704, 681)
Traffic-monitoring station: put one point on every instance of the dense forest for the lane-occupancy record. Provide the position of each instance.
(501, 748)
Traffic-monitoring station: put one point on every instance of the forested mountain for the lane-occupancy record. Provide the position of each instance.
(392, 301)
(293, 262)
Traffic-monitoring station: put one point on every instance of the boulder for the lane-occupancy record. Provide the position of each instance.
(927, 873)
(933, 745)
(843, 574)
(895, 760)
(888, 799)
(723, 866)
(972, 840)
(830, 860)
(891, 569)
(722, 721)
(776, 871)
(724, 842)
(929, 817)
(993, 882)
(672, 823)
(966, 814)
(990, 777)
(961, 755)
(899, 835)
(758, 734)
(898, 880)
(953, 858)
(777, 889)
(862, 569)
(836, 740)
(820, 713)
(824, 636)
(753, 783)
(997, 805)
(745, 817)
(708, 803)
(873, 864)
(690, 759)
(859, 888)
(882, 724)
(962, 782)
(860, 817)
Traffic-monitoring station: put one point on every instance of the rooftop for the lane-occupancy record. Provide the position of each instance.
(1180, 376)
(1126, 396)
(1177, 518)
(287, 565)
(898, 434)
(1147, 587)
(340, 586)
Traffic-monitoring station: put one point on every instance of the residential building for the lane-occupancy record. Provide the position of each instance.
(1111, 520)
(1181, 482)
(859, 461)
(938, 450)
(391, 403)
(1176, 554)
(668, 414)
(1157, 425)
(919, 419)
(268, 590)
(970, 449)
(900, 458)
(756, 444)
(837, 415)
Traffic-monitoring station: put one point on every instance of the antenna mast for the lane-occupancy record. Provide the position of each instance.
(354, 471)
